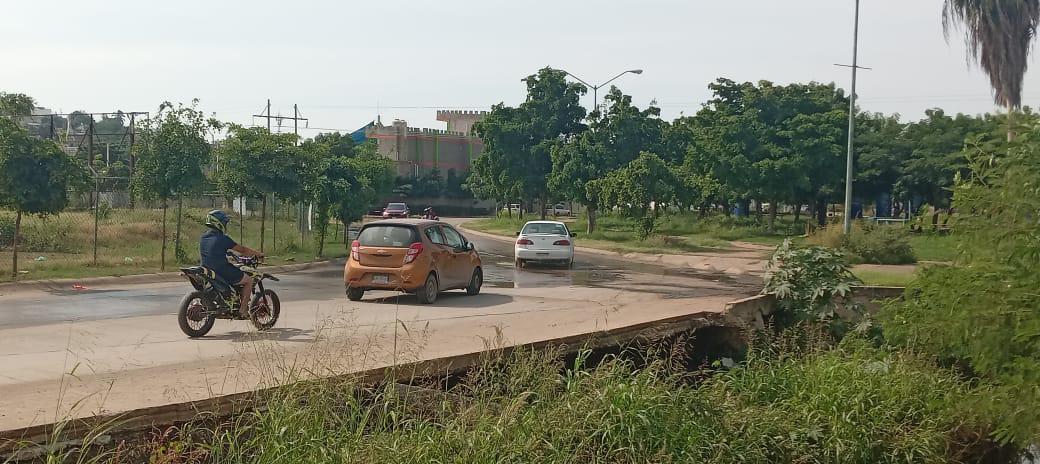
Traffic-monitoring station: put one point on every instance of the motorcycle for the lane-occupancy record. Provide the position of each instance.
(214, 299)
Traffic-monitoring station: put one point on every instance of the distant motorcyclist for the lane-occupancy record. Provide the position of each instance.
(214, 246)
(429, 214)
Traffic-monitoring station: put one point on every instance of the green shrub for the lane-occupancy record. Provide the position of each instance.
(809, 282)
(6, 231)
(52, 234)
(868, 243)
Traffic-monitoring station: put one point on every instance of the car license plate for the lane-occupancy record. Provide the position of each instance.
(380, 279)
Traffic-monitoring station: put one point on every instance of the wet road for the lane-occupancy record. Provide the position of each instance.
(64, 304)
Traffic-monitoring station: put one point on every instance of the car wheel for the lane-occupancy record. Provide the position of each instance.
(520, 263)
(475, 282)
(570, 263)
(428, 293)
(355, 294)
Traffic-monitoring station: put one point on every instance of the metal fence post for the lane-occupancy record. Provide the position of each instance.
(97, 214)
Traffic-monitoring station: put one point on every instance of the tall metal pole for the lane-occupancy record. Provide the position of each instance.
(852, 126)
(268, 115)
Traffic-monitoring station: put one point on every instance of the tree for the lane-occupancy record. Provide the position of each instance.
(16, 104)
(999, 35)
(637, 190)
(253, 163)
(616, 137)
(346, 181)
(518, 141)
(171, 152)
(35, 176)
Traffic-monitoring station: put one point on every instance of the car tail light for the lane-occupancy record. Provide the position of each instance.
(524, 241)
(562, 242)
(413, 252)
(355, 250)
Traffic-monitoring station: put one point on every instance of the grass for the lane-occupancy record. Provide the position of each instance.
(129, 242)
(932, 247)
(883, 278)
(675, 233)
(795, 399)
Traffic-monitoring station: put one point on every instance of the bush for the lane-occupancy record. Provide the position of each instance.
(868, 243)
(47, 234)
(6, 231)
(810, 283)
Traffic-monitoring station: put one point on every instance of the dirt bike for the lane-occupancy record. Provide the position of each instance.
(214, 299)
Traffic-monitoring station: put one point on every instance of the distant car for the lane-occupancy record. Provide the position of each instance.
(558, 209)
(544, 241)
(511, 208)
(412, 255)
(395, 211)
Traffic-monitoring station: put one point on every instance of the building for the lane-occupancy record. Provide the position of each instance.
(418, 151)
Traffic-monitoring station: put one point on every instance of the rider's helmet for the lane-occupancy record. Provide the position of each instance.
(217, 219)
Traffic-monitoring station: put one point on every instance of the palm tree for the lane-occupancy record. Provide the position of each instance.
(999, 35)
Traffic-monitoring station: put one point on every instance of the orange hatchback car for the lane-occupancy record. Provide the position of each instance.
(412, 255)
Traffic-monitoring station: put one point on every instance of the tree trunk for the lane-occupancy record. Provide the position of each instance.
(321, 240)
(177, 238)
(758, 208)
(797, 211)
(242, 220)
(821, 212)
(591, 210)
(772, 215)
(1011, 126)
(162, 253)
(726, 209)
(543, 200)
(14, 244)
(263, 220)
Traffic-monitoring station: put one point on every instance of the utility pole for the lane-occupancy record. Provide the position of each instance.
(847, 226)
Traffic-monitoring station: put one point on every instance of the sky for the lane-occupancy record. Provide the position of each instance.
(345, 62)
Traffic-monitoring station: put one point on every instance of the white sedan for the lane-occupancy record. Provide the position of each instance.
(544, 241)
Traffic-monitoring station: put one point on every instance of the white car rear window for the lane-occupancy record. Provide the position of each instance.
(544, 228)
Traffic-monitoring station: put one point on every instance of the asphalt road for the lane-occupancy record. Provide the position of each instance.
(56, 304)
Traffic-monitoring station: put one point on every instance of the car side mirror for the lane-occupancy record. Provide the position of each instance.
(470, 246)
(574, 234)
(518, 233)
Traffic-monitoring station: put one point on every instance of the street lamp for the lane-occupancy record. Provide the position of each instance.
(595, 88)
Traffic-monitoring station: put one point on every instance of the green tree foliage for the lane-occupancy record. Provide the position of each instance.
(254, 163)
(171, 152)
(982, 311)
(769, 142)
(35, 176)
(638, 190)
(616, 137)
(346, 179)
(517, 161)
(16, 104)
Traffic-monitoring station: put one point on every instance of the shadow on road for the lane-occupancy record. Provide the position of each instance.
(278, 334)
(453, 299)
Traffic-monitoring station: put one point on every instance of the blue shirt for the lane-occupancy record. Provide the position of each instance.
(213, 249)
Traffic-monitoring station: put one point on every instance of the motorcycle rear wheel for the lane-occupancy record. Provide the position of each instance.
(264, 309)
(194, 315)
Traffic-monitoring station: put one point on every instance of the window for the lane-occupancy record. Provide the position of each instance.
(544, 228)
(387, 236)
(453, 238)
(435, 236)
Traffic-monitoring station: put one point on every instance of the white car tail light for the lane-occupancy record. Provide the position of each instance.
(562, 243)
(355, 251)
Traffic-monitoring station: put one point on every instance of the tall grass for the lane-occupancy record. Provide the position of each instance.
(795, 399)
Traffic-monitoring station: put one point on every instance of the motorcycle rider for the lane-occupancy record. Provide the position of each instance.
(213, 249)
(428, 213)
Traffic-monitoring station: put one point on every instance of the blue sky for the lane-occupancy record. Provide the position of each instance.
(340, 60)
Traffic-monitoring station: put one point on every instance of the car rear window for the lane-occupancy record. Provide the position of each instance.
(390, 236)
(544, 228)
(396, 206)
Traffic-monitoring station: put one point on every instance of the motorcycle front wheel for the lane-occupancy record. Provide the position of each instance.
(194, 315)
(264, 309)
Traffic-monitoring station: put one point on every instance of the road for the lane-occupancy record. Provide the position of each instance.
(114, 347)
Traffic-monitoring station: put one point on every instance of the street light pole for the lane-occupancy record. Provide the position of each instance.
(852, 127)
(595, 88)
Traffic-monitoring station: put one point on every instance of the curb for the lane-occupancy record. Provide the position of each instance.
(149, 278)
